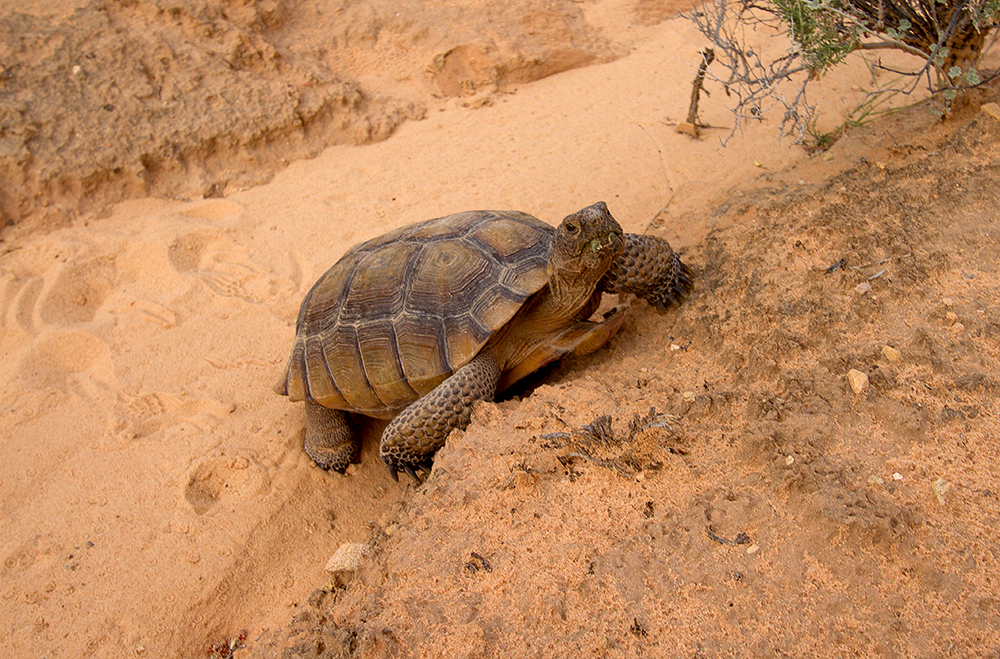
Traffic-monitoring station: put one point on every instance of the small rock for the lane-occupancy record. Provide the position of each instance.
(957, 328)
(687, 128)
(346, 561)
(941, 488)
(689, 396)
(789, 460)
(951, 317)
(891, 354)
(947, 301)
(896, 476)
(858, 380)
(863, 287)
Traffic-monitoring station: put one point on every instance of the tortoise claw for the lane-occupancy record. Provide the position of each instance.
(418, 471)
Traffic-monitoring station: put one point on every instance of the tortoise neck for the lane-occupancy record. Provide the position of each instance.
(568, 293)
(572, 283)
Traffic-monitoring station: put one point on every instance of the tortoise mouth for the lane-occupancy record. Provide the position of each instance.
(597, 244)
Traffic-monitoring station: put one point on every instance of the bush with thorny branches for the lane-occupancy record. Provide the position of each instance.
(948, 37)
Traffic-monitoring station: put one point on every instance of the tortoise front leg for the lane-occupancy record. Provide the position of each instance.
(330, 440)
(649, 269)
(411, 439)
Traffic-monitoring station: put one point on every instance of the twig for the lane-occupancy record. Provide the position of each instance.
(868, 265)
(882, 262)
(707, 57)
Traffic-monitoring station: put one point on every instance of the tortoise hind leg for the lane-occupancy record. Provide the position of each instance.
(649, 269)
(330, 440)
(412, 438)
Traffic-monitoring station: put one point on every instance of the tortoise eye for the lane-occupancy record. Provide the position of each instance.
(571, 227)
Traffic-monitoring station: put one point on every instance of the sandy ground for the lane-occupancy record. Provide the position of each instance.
(765, 508)
(155, 498)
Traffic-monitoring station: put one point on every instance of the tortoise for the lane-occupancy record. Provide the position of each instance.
(420, 323)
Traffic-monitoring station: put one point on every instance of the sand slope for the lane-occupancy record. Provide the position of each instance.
(155, 497)
(766, 509)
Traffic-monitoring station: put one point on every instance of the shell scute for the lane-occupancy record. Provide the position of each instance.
(375, 289)
(379, 354)
(448, 275)
(421, 350)
(343, 356)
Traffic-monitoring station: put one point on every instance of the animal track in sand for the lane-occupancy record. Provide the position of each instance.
(55, 285)
(155, 411)
(57, 355)
(51, 291)
(78, 291)
(225, 267)
(20, 299)
(225, 479)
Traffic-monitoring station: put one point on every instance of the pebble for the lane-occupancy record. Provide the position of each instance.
(951, 317)
(687, 128)
(858, 380)
(891, 354)
(896, 476)
(863, 287)
(941, 488)
(689, 396)
(346, 561)
(957, 328)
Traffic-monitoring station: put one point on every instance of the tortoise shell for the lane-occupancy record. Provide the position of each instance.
(400, 313)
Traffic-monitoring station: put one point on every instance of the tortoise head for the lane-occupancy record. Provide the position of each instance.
(583, 248)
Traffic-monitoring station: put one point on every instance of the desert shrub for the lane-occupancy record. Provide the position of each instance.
(947, 38)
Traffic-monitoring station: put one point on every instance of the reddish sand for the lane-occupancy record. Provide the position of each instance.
(155, 497)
